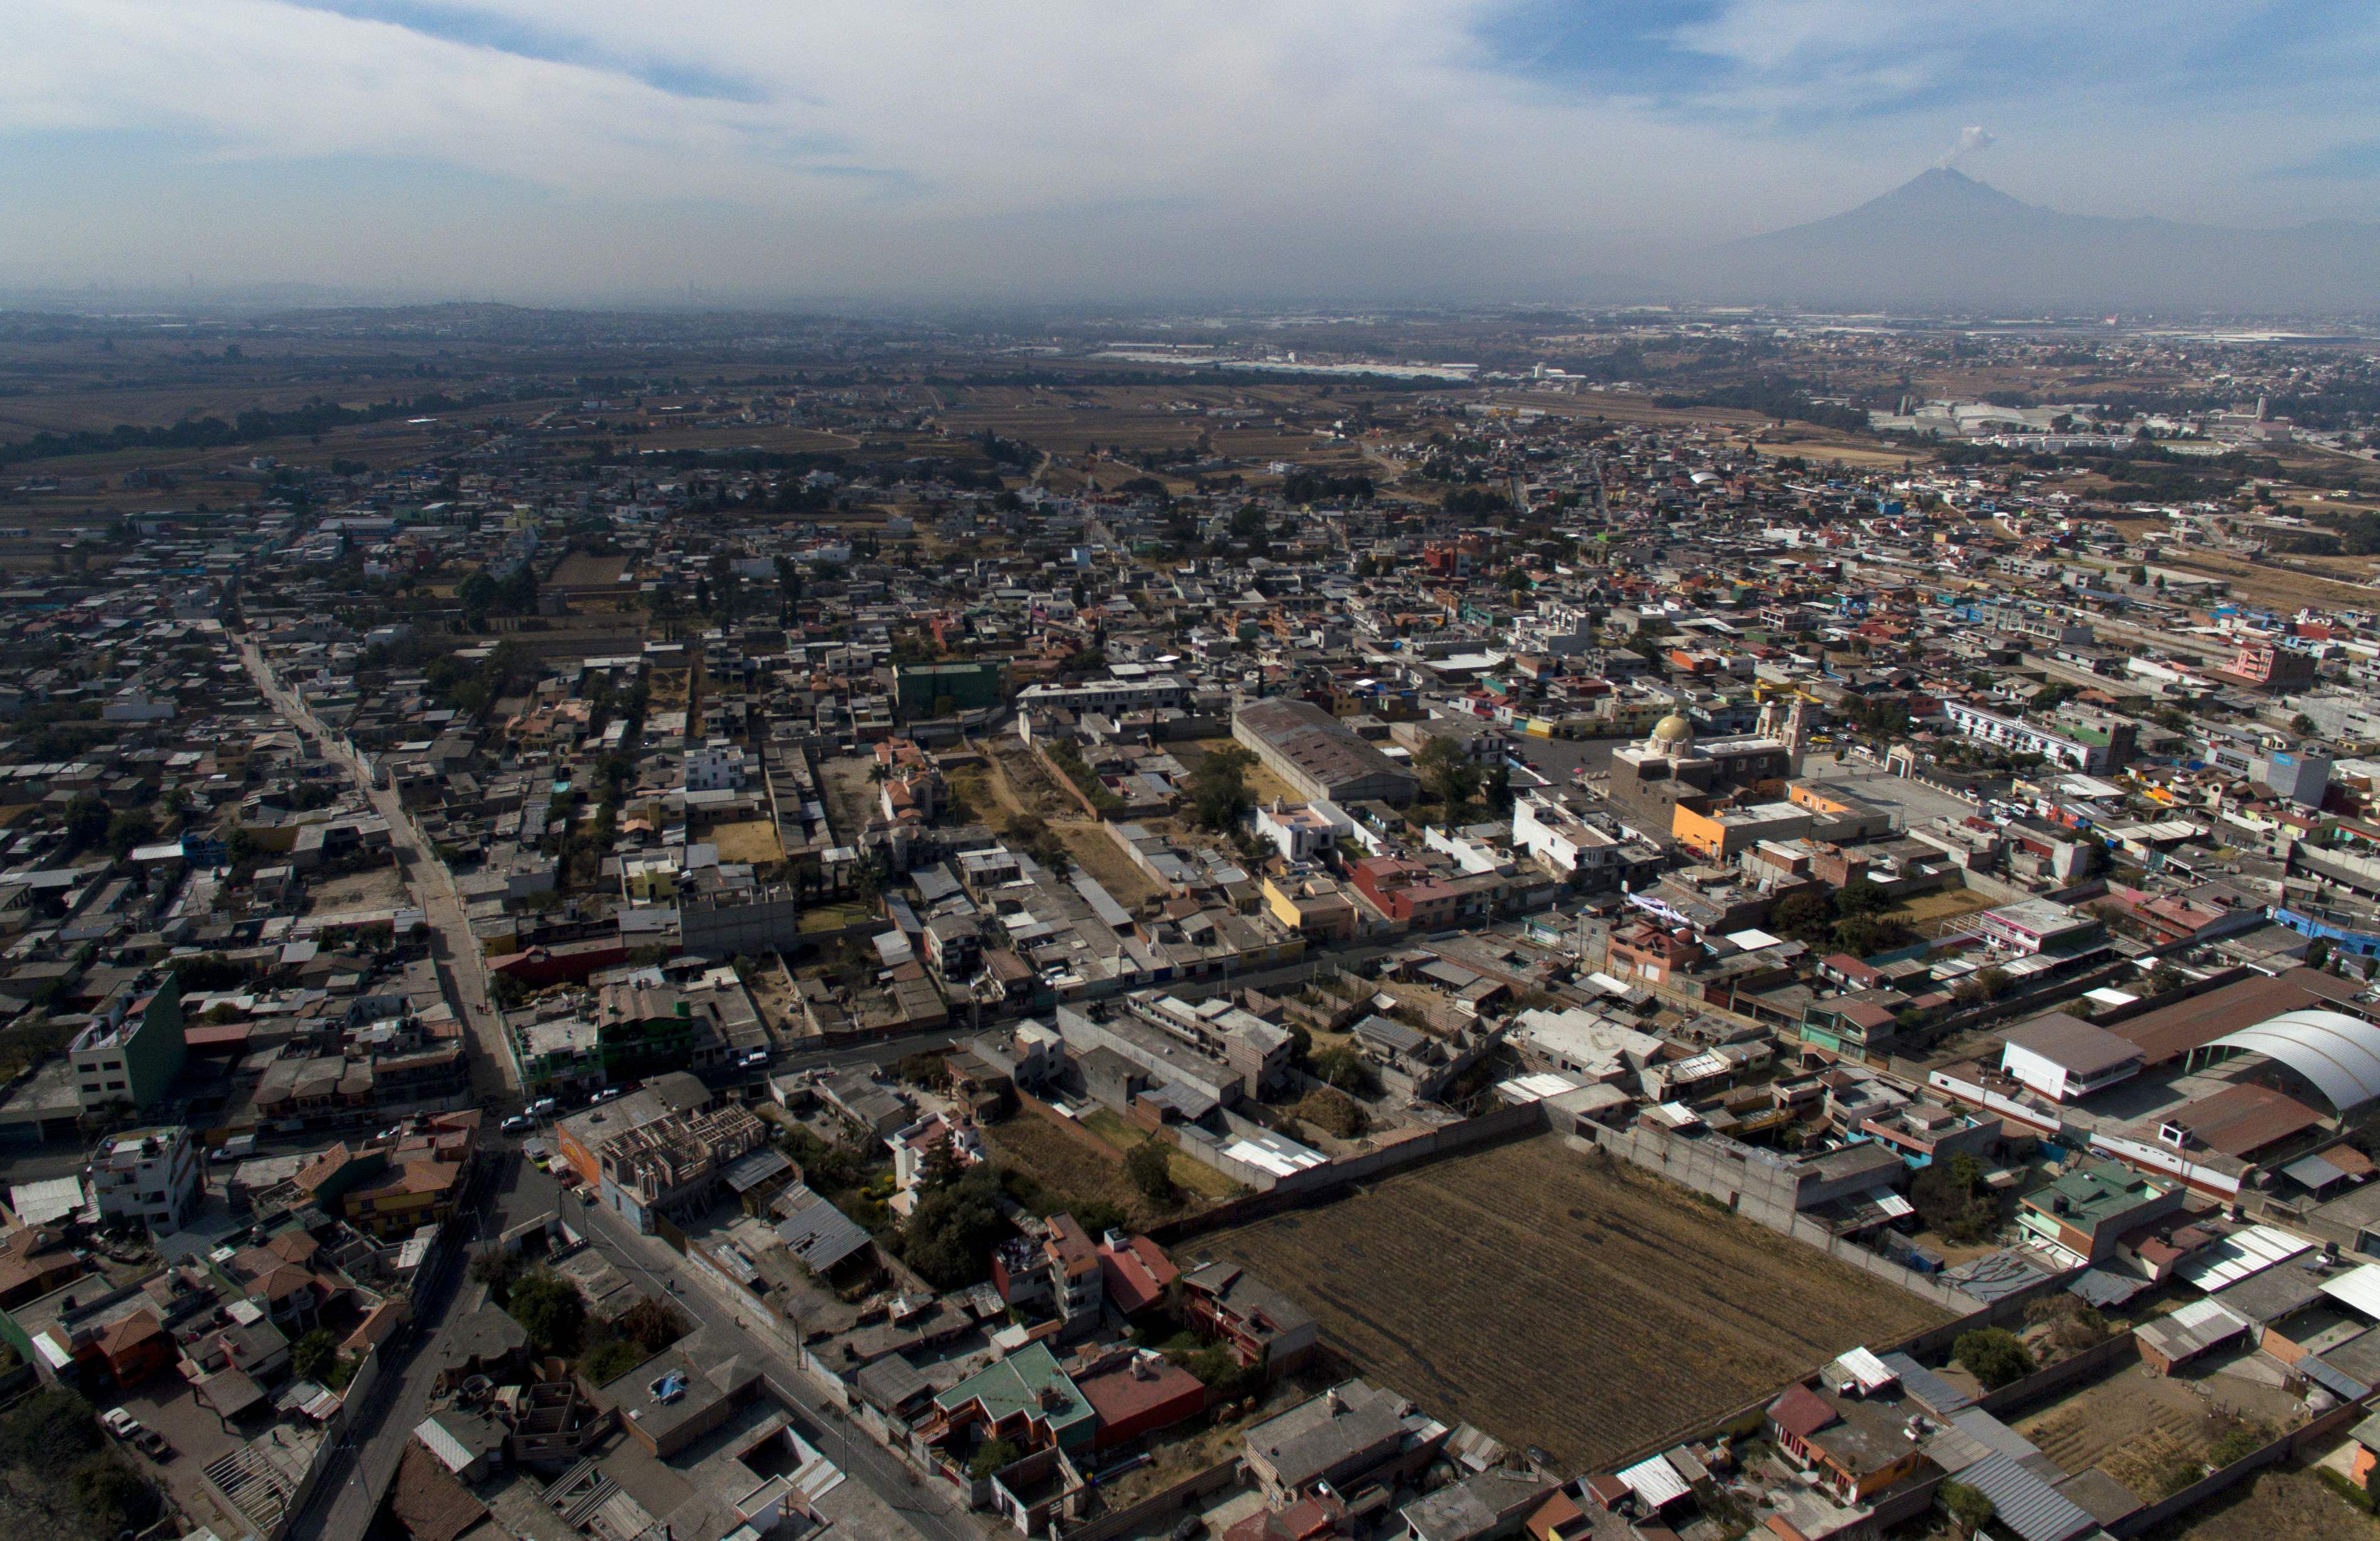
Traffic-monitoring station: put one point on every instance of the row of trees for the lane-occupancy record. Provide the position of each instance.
(1851, 920)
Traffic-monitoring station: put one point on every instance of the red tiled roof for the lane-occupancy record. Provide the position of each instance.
(1138, 1273)
(128, 1333)
(1800, 1411)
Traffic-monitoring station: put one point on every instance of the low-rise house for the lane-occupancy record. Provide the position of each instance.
(2067, 1059)
(1026, 1399)
(2085, 1213)
(1257, 1322)
(1352, 1437)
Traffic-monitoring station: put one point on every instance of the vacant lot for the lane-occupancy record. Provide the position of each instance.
(2152, 1432)
(1190, 1174)
(1551, 1299)
(2273, 1503)
(1013, 783)
(1930, 914)
(752, 840)
(1076, 1167)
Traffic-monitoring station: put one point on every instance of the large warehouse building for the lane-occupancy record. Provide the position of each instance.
(1315, 753)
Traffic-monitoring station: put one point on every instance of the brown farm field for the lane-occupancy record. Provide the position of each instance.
(1565, 1301)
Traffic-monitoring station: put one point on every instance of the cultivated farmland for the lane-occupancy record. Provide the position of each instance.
(1563, 1300)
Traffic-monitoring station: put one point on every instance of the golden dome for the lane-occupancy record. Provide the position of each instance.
(1672, 730)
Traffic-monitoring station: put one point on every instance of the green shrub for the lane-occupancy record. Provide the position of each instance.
(1993, 1355)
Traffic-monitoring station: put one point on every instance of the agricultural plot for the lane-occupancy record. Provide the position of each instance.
(1559, 1301)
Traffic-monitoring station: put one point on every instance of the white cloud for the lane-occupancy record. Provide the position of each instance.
(1048, 143)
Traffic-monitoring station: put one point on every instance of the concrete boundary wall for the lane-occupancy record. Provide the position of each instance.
(1760, 1194)
(1157, 1506)
(1318, 1184)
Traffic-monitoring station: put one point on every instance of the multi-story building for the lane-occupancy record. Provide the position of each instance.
(674, 1164)
(644, 1029)
(2082, 747)
(2085, 1213)
(147, 1175)
(1302, 832)
(1407, 890)
(1255, 1322)
(716, 767)
(2265, 665)
(1060, 1272)
(927, 689)
(1131, 688)
(131, 1062)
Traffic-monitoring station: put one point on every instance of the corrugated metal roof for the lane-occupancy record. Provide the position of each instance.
(2024, 1503)
(1925, 1386)
(2192, 1329)
(450, 1452)
(2331, 1378)
(1892, 1204)
(1860, 1365)
(1654, 1482)
(2239, 1255)
(2359, 1291)
(2336, 1053)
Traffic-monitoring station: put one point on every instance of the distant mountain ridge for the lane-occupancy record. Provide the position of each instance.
(1943, 239)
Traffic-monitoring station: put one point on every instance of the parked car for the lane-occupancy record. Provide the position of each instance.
(153, 1444)
(122, 1425)
(519, 1123)
(543, 1108)
(604, 1096)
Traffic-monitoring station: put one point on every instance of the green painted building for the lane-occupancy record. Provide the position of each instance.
(919, 687)
(134, 1063)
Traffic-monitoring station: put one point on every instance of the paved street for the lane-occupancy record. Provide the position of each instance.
(351, 1489)
(918, 1502)
(461, 967)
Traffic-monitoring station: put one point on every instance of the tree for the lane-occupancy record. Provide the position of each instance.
(1147, 1166)
(1967, 1506)
(1948, 1199)
(131, 828)
(1219, 789)
(991, 1456)
(653, 1324)
(310, 1357)
(611, 1359)
(1860, 896)
(48, 1431)
(549, 1311)
(1864, 936)
(1344, 1067)
(478, 595)
(111, 1496)
(950, 1234)
(86, 818)
(1802, 916)
(518, 590)
(1993, 1355)
(1446, 773)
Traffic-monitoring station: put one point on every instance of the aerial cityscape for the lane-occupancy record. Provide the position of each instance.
(711, 830)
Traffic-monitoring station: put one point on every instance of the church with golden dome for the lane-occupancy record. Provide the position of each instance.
(1672, 768)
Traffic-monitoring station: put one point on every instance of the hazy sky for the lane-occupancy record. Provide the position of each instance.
(587, 149)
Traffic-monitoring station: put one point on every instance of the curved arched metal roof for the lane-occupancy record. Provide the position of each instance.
(2341, 1054)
